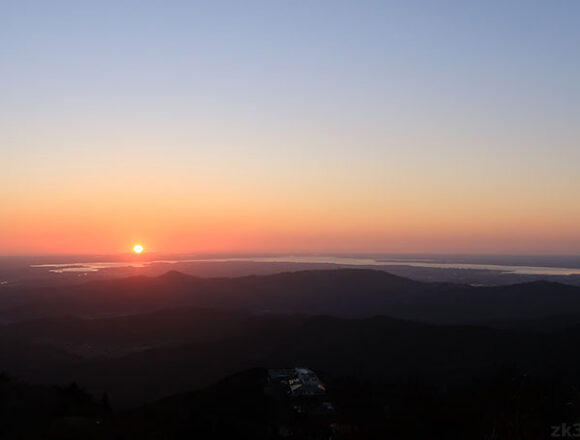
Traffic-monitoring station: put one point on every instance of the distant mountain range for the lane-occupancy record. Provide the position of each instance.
(353, 293)
(142, 338)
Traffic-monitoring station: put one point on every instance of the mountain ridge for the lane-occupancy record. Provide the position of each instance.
(341, 292)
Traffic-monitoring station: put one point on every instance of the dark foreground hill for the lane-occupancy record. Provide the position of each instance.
(378, 348)
(504, 406)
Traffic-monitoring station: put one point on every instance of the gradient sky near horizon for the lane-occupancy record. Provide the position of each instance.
(290, 126)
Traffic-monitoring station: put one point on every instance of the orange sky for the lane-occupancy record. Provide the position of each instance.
(432, 133)
(110, 218)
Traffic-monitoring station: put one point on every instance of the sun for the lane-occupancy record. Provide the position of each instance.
(138, 248)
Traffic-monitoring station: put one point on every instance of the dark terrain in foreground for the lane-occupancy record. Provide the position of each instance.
(506, 405)
(401, 358)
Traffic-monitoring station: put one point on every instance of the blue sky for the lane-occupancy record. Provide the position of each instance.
(450, 100)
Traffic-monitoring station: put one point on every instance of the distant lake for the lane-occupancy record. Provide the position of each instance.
(337, 260)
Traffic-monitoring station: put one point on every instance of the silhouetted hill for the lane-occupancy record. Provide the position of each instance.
(345, 292)
(104, 337)
(148, 337)
(375, 348)
(533, 300)
(34, 412)
(508, 404)
(30, 358)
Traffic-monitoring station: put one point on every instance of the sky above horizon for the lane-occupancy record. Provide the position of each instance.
(302, 126)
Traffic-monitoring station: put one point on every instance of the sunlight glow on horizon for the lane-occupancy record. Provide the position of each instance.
(426, 128)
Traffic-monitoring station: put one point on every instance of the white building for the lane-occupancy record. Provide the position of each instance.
(305, 382)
